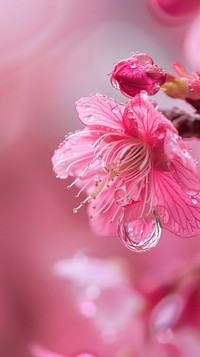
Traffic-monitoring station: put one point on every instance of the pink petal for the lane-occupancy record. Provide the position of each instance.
(104, 224)
(178, 212)
(182, 165)
(142, 119)
(100, 110)
(74, 154)
(181, 71)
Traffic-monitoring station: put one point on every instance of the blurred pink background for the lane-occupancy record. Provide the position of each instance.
(52, 53)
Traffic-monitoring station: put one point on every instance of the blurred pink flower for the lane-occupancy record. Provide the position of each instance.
(149, 316)
(182, 12)
(40, 351)
(185, 86)
(137, 73)
(135, 169)
(175, 7)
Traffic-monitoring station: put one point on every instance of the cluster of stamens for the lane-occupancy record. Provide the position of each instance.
(118, 162)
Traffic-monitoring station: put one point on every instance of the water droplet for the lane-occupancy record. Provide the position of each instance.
(115, 109)
(194, 200)
(75, 210)
(89, 118)
(176, 227)
(130, 115)
(190, 191)
(87, 105)
(121, 197)
(140, 234)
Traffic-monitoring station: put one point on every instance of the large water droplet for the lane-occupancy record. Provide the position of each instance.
(139, 234)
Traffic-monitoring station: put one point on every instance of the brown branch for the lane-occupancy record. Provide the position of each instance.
(187, 125)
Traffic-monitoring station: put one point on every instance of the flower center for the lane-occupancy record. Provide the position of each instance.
(118, 165)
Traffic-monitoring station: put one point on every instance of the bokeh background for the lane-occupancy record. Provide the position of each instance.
(51, 54)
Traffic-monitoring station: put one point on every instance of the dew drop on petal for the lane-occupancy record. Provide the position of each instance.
(130, 114)
(194, 200)
(89, 118)
(140, 234)
(191, 191)
(115, 109)
(176, 227)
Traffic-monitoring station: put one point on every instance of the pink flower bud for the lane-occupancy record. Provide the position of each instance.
(137, 73)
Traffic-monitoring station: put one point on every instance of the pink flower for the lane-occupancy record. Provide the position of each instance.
(137, 173)
(137, 73)
(174, 7)
(185, 86)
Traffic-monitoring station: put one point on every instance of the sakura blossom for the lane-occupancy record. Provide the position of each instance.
(138, 175)
(185, 86)
(148, 316)
(137, 73)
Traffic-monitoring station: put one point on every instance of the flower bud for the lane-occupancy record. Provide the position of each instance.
(137, 73)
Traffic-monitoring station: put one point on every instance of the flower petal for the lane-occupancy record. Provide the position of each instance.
(102, 111)
(104, 214)
(182, 165)
(178, 212)
(74, 154)
(142, 119)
